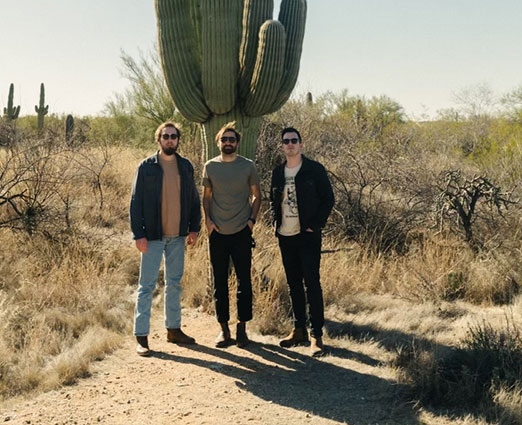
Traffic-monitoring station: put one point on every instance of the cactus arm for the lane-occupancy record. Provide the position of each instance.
(195, 11)
(220, 51)
(179, 57)
(255, 13)
(292, 15)
(269, 68)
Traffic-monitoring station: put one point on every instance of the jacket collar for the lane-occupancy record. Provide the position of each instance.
(304, 161)
(155, 158)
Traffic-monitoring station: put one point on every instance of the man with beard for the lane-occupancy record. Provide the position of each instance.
(164, 211)
(231, 201)
(301, 199)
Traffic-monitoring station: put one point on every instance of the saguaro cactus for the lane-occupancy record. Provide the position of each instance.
(228, 60)
(41, 110)
(11, 112)
(69, 129)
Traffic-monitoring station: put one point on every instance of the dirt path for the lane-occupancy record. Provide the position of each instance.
(262, 384)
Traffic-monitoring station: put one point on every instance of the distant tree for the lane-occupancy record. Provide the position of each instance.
(372, 115)
(512, 102)
(147, 96)
(475, 101)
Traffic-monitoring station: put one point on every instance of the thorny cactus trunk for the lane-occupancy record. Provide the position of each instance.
(69, 129)
(40, 109)
(228, 60)
(11, 112)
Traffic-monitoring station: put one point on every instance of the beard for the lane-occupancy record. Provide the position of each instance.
(228, 149)
(169, 151)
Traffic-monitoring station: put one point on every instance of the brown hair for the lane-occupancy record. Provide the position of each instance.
(231, 126)
(157, 134)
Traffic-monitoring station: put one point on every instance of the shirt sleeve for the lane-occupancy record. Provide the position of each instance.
(205, 180)
(254, 177)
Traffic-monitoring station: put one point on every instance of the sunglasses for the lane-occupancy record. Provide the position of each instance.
(293, 141)
(172, 136)
(228, 139)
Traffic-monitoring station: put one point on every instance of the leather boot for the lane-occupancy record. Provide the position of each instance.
(298, 336)
(177, 336)
(241, 335)
(143, 346)
(316, 346)
(224, 339)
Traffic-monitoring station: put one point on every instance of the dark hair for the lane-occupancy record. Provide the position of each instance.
(228, 127)
(291, 130)
(157, 134)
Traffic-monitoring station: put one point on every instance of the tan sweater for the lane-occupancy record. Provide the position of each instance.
(170, 197)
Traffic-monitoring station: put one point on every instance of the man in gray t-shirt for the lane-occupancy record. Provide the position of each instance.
(231, 200)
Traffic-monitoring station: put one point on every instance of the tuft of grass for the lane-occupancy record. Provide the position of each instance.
(483, 373)
(508, 404)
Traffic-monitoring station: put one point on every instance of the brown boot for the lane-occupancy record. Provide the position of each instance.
(316, 346)
(224, 339)
(177, 336)
(241, 335)
(297, 337)
(143, 346)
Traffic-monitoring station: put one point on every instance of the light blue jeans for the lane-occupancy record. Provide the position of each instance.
(173, 250)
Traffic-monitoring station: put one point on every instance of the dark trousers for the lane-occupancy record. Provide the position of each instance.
(301, 259)
(237, 246)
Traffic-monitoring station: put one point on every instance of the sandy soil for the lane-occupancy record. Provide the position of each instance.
(261, 384)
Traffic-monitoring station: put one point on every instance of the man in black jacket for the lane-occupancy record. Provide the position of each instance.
(164, 211)
(301, 199)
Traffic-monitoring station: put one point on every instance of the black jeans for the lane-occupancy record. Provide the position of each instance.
(301, 259)
(237, 246)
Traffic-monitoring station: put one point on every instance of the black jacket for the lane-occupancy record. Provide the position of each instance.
(145, 205)
(315, 198)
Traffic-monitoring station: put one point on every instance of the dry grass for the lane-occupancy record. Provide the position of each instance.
(67, 302)
(66, 296)
(509, 402)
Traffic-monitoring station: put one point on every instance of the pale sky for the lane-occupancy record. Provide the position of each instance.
(417, 52)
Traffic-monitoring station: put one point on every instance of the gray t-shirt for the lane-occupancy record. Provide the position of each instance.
(230, 206)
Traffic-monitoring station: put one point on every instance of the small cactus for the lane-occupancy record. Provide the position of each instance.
(41, 110)
(309, 99)
(69, 129)
(11, 113)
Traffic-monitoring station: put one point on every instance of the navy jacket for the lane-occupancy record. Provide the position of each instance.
(315, 198)
(145, 205)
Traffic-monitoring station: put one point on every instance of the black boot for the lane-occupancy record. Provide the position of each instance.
(143, 346)
(241, 335)
(224, 339)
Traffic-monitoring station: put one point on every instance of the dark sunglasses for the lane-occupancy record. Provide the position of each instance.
(228, 139)
(293, 141)
(172, 136)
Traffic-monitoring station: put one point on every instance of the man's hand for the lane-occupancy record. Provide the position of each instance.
(141, 244)
(251, 225)
(309, 230)
(211, 227)
(192, 238)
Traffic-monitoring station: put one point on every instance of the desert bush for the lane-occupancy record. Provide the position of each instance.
(462, 201)
(473, 376)
(66, 272)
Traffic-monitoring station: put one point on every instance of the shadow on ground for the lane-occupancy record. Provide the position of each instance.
(308, 384)
(451, 394)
